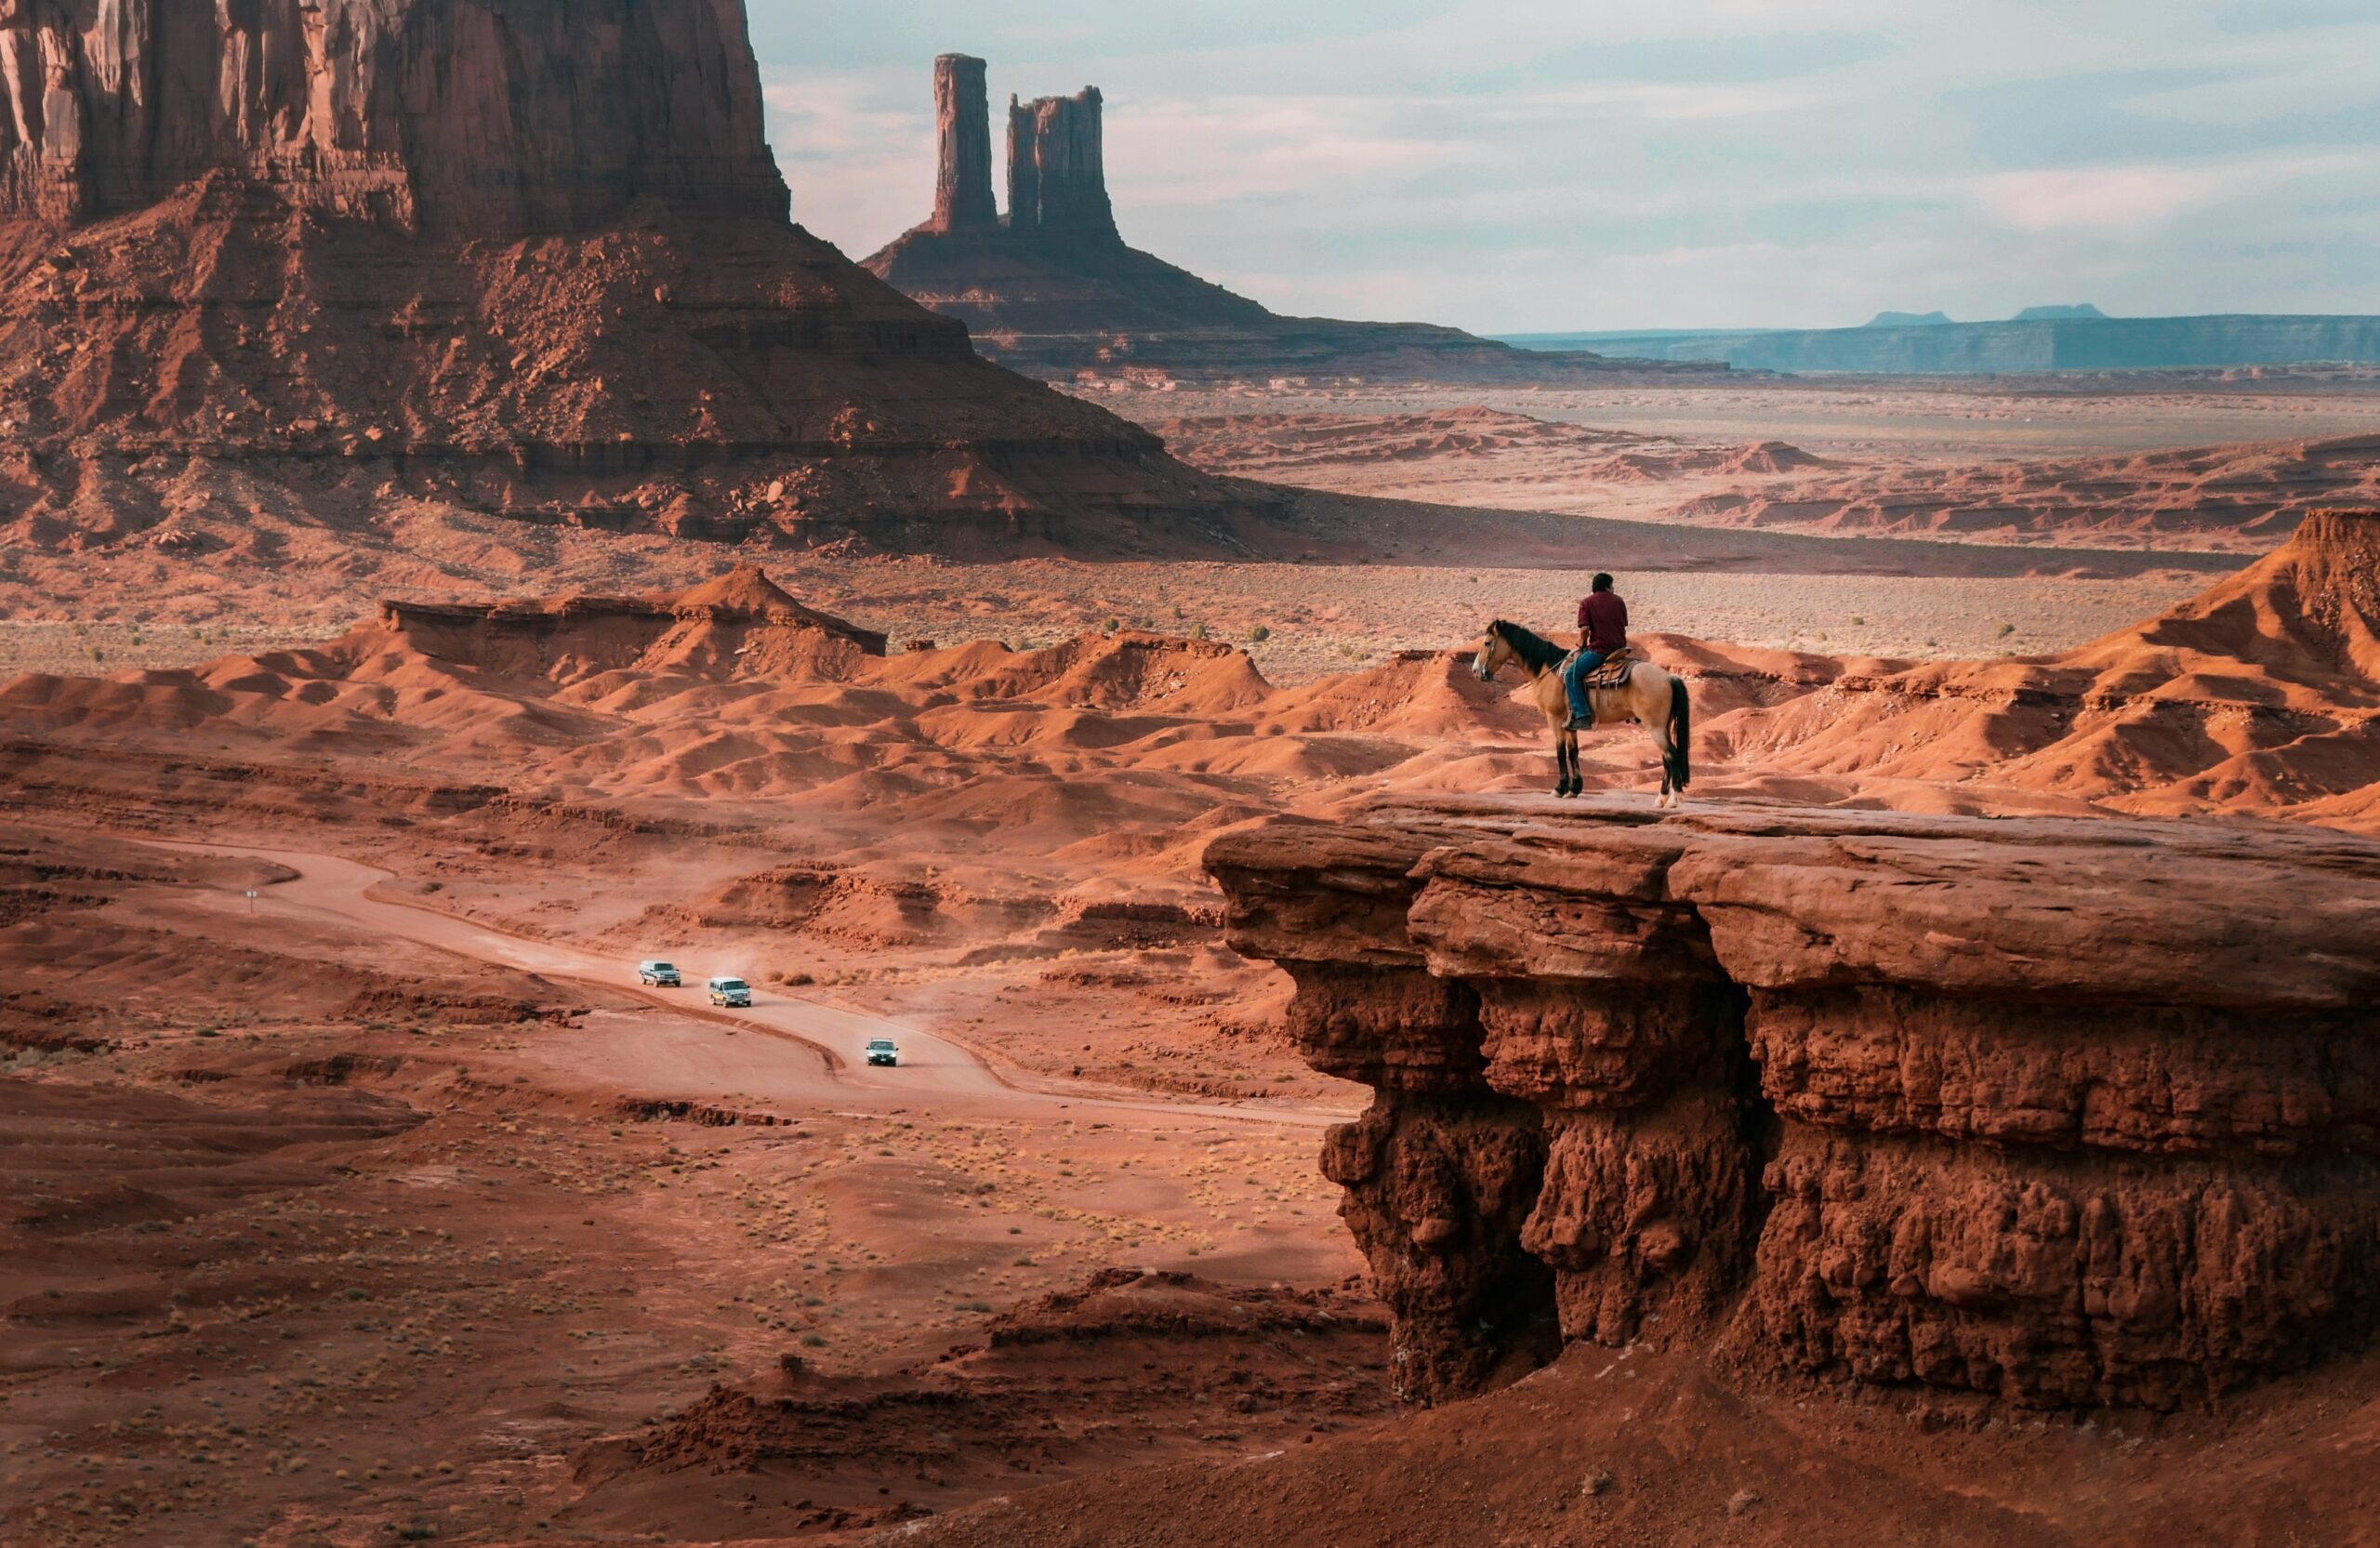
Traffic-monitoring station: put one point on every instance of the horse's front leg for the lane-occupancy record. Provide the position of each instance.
(1572, 783)
(1560, 765)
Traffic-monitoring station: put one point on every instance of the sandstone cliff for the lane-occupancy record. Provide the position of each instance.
(2066, 1112)
(1057, 172)
(527, 258)
(503, 116)
(1054, 290)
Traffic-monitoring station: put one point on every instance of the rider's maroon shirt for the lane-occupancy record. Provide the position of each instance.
(1605, 617)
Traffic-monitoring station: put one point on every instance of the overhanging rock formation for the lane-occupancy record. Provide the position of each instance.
(1055, 291)
(2066, 1112)
(530, 256)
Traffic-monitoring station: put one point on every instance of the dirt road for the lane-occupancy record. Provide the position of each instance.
(822, 1053)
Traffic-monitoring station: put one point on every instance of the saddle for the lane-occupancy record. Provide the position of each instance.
(1614, 671)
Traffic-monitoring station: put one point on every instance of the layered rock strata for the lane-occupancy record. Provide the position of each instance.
(2065, 1112)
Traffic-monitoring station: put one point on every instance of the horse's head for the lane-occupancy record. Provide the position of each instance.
(1494, 651)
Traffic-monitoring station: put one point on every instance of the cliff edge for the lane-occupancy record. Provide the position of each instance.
(2063, 1112)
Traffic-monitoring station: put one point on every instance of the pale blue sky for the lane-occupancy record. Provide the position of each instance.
(1537, 166)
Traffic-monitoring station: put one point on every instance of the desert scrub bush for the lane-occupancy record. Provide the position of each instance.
(1258, 635)
(2005, 629)
(1198, 631)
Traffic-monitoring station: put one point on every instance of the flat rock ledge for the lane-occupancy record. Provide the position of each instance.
(2067, 1112)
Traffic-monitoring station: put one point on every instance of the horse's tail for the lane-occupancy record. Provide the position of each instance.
(1680, 760)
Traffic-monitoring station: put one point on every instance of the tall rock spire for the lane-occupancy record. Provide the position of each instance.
(1057, 172)
(962, 115)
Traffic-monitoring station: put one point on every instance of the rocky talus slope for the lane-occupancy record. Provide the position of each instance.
(527, 259)
(2063, 1112)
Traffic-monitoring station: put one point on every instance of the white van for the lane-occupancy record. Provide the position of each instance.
(734, 993)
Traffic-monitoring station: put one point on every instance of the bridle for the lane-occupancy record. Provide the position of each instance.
(1493, 653)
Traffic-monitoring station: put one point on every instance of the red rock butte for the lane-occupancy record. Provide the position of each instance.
(531, 258)
(1053, 289)
(2067, 1112)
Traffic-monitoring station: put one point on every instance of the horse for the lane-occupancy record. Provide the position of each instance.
(1653, 698)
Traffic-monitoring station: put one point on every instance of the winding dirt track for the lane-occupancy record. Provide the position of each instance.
(823, 1060)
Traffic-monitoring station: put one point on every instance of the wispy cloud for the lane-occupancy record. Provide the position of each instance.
(1564, 163)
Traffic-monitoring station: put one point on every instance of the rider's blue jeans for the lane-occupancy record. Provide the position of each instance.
(1573, 676)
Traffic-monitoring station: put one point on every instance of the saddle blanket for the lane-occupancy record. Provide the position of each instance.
(1614, 671)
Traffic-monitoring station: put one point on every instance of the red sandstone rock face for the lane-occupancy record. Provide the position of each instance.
(962, 189)
(1438, 1192)
(1057, 171)
(2066, 1112)
(501, 115)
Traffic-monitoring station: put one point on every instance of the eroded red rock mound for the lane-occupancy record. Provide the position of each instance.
(2262, 696)
(2060, 1112)
(519, 258)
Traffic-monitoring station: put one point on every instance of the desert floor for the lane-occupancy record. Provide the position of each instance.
(383, 1204)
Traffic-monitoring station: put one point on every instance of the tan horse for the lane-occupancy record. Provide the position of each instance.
(1654, 698)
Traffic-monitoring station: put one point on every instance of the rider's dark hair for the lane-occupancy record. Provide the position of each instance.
(1602, 583)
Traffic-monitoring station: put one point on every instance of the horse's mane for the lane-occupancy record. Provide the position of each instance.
(1535, 653)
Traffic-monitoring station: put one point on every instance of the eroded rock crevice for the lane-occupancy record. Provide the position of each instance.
(2066, 1112)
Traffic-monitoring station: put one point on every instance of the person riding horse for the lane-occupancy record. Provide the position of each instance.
(1603, 633)
(1571, 702)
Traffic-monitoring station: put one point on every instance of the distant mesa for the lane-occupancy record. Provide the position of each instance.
(2069, 338)
(2082, 313)
(525, 259)
(1052, 289)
